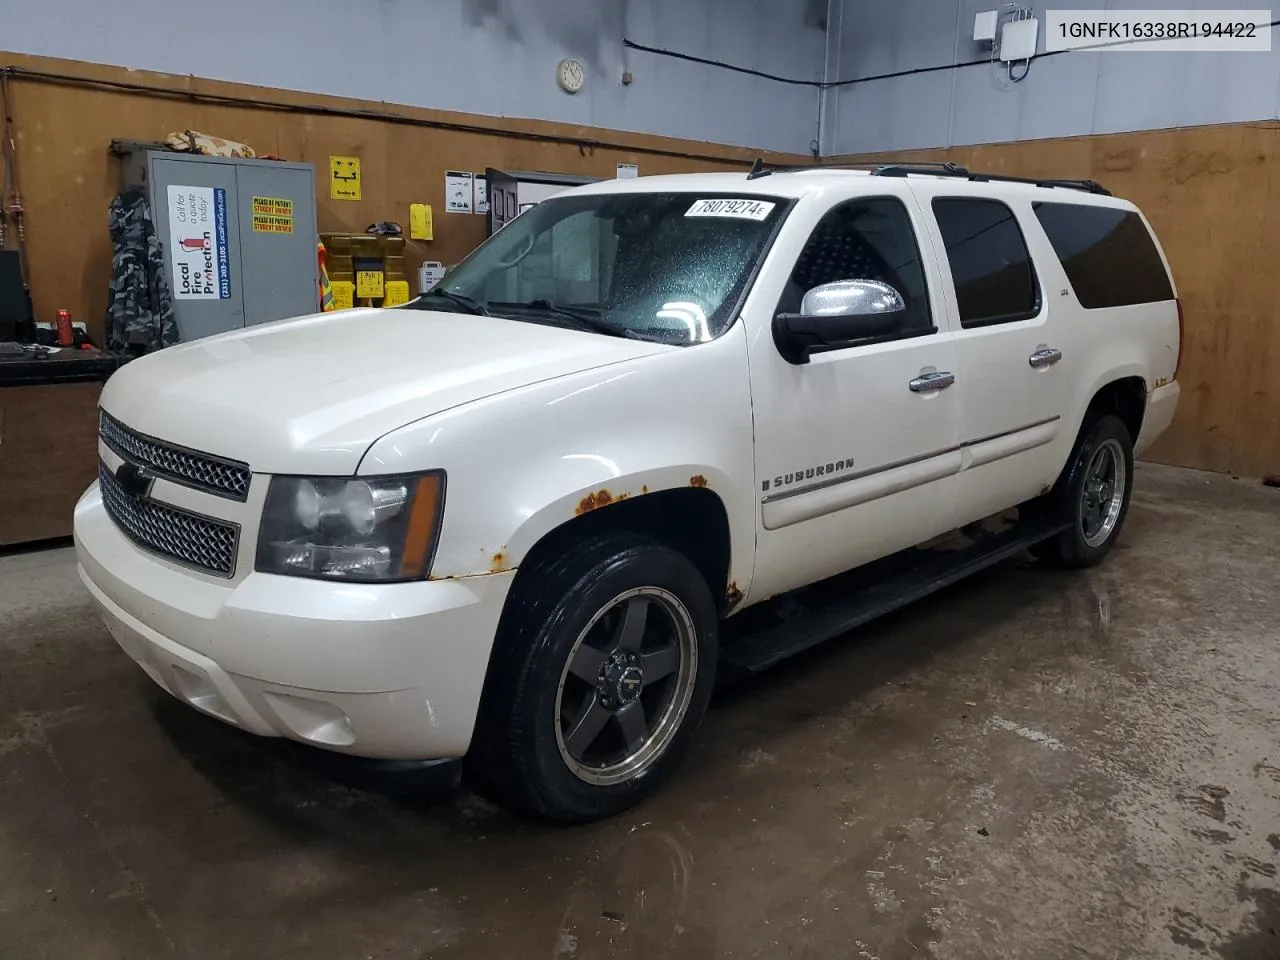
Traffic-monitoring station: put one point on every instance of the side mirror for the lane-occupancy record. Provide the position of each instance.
(834, 315)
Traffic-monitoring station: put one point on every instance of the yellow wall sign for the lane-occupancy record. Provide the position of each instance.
(344, 178)
(344, 294)
(420, 221)
(397, 293)
(272, 215)
(368, 284)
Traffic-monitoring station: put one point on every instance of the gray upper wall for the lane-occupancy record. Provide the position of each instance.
(498, 58)
(1064, 95)
(492, 57)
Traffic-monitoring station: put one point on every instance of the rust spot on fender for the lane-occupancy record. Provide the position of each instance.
(732, 594)
(697, 480)
(644, 488)
(499, 562)
(594, 501)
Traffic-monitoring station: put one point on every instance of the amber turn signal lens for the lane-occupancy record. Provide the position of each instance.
(424, 525)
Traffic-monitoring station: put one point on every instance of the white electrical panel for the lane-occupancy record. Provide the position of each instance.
(1018, 39)
(984, 26)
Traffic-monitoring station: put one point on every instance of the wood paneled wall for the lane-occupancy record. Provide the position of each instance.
(1213, 196)
(68, 177)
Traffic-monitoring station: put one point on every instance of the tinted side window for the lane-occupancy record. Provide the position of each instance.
(1108, 254)
(990, 265)
(865, 239)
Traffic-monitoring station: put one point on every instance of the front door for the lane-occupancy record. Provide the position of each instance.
(1010, 343)
(857, 449)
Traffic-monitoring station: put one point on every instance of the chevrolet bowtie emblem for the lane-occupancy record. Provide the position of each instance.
(134, 479)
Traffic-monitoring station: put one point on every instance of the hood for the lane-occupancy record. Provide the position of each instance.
(310, 395)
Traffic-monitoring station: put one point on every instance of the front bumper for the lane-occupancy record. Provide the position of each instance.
(391, 671)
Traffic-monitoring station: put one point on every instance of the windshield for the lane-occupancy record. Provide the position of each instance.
(659, 266)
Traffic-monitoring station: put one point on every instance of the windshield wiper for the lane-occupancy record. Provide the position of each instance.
(585, 318)
(470, 304)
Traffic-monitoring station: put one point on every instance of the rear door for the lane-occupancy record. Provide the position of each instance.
(1118, 282)
(1010, 343)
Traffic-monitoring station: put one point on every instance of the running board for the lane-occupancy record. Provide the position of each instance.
(803, 626)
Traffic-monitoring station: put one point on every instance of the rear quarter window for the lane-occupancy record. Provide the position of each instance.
(1108, 254)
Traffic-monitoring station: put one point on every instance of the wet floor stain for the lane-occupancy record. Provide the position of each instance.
(1207, 801)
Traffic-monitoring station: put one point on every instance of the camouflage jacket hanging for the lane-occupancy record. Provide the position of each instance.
(140, 307)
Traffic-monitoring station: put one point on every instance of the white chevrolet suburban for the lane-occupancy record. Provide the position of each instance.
(516, 520)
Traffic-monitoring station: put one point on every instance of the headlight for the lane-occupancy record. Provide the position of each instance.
(379, 529)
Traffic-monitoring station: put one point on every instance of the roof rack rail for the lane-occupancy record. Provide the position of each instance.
(761, 169)
(1090, 186)
(928, 168)
(944, 169)
(953, 170)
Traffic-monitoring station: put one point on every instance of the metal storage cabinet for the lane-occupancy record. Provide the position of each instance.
(239, 237)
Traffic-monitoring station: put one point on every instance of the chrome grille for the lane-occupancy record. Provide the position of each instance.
(186, 538)
(216, 475)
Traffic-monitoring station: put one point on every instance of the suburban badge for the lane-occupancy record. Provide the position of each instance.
(808, 473)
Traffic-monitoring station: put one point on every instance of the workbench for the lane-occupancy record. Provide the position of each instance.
(48, 440)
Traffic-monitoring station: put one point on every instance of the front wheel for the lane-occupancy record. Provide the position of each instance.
(1093, 494)
(602, 672)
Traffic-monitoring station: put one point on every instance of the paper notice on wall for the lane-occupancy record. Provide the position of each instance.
(482, 194)
(628, 171)
(420, 221)
(198, 243)
(344, 178)
(458, 189)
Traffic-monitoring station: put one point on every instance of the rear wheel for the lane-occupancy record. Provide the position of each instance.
(1093, 493)
(602, 672)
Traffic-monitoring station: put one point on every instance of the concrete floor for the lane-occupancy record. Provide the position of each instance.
(1032, 765)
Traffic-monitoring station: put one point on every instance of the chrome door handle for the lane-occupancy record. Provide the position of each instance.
(927, 382)
(1045, 357)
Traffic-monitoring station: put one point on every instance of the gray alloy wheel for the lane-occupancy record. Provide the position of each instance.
(1092, 494)
(602, 670)
(626, 686)
(1102, 494)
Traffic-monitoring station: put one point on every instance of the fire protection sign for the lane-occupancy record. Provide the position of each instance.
(198, 243)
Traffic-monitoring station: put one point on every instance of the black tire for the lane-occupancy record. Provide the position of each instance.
(1071, 497)
(521, 756)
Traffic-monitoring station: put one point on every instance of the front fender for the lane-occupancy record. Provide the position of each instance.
(606, 489)
(522, 463)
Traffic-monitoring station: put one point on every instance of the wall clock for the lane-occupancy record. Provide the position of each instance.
(570, 75)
